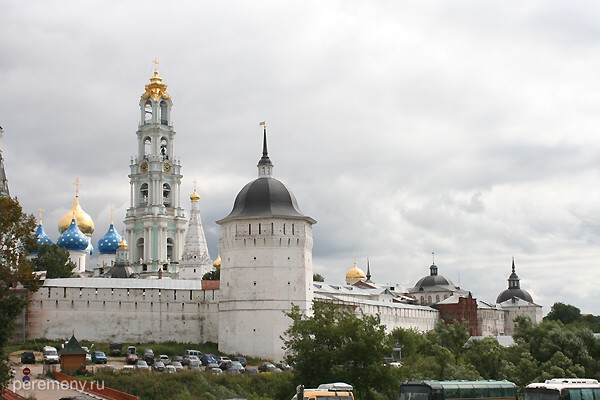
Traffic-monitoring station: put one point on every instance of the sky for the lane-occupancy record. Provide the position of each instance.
(467, 129)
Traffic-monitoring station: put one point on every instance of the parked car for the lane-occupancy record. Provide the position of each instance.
(169, 369)
(164, 358)
(131, 350)
(216, 370)
(98, 357)
(178, 366)
(221, 359)
(27, 357)
(251, 371)
(142, 365)
(131, 359)
(115, 349)
(50, 355)
(240, 359)
(88, 356)
(178, 359)
(267, 368)
(209, 359)
(195, 365)
(159, 366)
(149, 356)
(210, 366)
(233, 367)
(127, 369)
(188, 359)
(283, 366)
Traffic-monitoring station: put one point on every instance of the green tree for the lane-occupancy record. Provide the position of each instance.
(333, 344)
(451, 336)
(486, 355)
(16, 239)
(564, 313)
(55, 261)
(318, 278)
(214, 275)
(410, 341)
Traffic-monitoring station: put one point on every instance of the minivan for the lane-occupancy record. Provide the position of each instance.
(50, 355)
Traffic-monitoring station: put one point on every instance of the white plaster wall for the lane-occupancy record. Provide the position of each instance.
(264, 270)
(124, 315)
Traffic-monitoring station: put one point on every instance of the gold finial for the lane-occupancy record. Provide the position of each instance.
(41, 210)
(156, 62)
(110, 208)
(77, 184)
(156, 88)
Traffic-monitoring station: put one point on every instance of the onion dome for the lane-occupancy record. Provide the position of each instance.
(514, 289)
(73, 238)
(195, 196)
(41, 236)
(123, 244)
(84, 221)
(109, 243)
(217, 263)
(433, 279)
(265, 196)
(355, 274)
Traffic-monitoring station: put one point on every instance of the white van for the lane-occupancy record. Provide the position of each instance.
(50, 355)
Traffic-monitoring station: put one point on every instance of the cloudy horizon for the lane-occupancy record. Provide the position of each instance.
(463, 128)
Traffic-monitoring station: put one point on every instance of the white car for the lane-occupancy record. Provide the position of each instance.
(50, 355)
(169, 369)
(177, 365)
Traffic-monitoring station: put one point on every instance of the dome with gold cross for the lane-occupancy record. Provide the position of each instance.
(83, 219)
(156, 88)
(355, 274)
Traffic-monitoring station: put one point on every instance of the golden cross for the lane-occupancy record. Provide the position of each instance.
(41, 210)
(77, 184)
(111, 213)
(195, 185)
(155, 62)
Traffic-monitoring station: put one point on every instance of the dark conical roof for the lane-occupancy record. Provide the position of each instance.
(433, 279)
(72, 347)
(514, 289)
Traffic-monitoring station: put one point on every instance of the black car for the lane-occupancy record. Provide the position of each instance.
(241, 360)
(28, 357)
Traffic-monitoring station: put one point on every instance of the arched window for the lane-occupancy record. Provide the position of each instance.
(166, 194)
(164, 151)
(164, 113)
(170, 244)
(148, 112)
(147, 147)
(140, 249)
(437, 298)
(144, 194)
(428, 299)
(422, 300)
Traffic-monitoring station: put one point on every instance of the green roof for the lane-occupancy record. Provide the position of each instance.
(72, 347)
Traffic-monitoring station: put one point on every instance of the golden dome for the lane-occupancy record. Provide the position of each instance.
(195, 196)
(123, 244)
(156, 88)
(355, 274)
(83, 220)
(217, 263)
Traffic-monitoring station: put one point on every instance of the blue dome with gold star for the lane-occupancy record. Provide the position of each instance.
(109, 243)
(41, 238)
(73, 238)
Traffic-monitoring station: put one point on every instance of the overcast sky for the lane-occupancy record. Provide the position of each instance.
(468, 129)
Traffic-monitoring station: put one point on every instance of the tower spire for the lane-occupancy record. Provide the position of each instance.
(265, 167)
(368, 270)
(3, 180)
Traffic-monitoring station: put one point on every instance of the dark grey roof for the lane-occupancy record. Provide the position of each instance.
(514, 292)
(121, 271)
(72, 347)
(265, 197)
(433, 280)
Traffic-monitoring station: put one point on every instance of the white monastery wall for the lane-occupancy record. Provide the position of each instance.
(121, 314)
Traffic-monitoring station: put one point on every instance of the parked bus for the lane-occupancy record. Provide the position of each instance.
(564, 389)
(457, 390)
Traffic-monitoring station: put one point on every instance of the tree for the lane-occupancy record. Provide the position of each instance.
(486, 356)
(318, 278)
(451, 336)
(333, 345)
(16, 229)
(214, 275)
(564, 313)
(410, 341)
(55, 261)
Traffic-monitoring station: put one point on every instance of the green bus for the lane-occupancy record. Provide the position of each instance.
(459, 390)
(564, 389)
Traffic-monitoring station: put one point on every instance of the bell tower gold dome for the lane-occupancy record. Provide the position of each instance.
(83, 220)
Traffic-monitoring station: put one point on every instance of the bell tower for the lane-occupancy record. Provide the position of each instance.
(155, 221)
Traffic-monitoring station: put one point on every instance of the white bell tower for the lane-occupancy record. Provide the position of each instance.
(155, 221)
